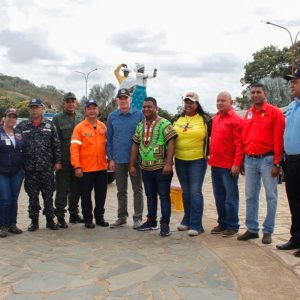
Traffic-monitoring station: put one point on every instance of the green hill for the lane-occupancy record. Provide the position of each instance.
(16, 92)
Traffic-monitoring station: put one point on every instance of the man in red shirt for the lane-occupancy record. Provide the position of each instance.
(226, 156)
(262, 137)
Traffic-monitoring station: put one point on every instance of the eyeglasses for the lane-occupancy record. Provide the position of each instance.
(12, 117)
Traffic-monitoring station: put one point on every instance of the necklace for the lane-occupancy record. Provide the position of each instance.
(188, 122)
(148, 129)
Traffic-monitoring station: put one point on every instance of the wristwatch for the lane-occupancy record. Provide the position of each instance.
(276, 165)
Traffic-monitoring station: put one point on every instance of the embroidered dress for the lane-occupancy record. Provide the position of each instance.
(153, 139)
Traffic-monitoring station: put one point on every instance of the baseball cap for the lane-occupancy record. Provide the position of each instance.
(35, 102)
(69, 95)
(11, 111)
(90, 102)
(295, 75)
(192, 96)
(123, 92)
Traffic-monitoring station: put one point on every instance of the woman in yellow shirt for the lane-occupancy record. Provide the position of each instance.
(193, 127)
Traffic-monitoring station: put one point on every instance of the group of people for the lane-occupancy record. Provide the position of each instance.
(143, 146)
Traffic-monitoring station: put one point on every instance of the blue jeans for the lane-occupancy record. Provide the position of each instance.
(10, 186)
(155, 183)
(257, 169)
(226, 192)
(191, 176)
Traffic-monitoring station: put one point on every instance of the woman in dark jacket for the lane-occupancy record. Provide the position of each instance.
(11, 173)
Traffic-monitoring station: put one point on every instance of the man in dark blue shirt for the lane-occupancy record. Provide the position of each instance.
(121, 126)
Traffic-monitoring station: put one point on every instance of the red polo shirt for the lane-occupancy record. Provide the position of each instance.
(226, 148)
(263, 131)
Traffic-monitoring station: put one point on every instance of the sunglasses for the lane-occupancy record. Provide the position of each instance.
(12, 117)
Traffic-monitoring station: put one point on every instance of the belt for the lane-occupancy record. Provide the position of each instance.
(293, 157)
(261, 155)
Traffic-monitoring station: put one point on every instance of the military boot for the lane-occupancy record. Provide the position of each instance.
(34, 224)
(62, 223)
(51, 224)
(76, 219)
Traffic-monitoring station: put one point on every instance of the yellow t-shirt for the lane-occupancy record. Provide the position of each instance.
(191, 135)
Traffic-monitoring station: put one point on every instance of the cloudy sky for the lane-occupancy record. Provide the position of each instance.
(196, 46)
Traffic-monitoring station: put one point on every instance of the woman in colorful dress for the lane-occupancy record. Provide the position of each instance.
(11, 173)
(193, 128)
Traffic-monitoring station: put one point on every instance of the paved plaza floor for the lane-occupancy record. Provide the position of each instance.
(104, 263)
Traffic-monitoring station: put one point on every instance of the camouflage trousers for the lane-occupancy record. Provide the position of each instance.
(36, 182)
(67, 191)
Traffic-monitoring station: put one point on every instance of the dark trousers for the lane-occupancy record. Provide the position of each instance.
(10, 185)
(292, 177)
(36, 182)
(97, 181)
(155, 184)
(67, 191)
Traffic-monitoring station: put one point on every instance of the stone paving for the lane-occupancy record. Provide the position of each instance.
(104, 263)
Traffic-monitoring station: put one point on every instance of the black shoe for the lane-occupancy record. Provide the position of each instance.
(248, 236)
(34, 225)
(62, 223)
(14, 229)
(297, 253)
(50, 224)
(102, 222)
(164, 229)
(89, 225)
(76, 219)
(288, 246)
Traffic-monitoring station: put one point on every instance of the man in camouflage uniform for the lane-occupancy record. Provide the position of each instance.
(42, 156)
(67, 185)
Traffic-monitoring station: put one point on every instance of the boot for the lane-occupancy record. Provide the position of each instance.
(51, 224)
(62, 223)
(34, 224)
(76, 219)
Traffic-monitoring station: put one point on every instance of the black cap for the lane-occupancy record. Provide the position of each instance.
(69, 95)
(295, 75)
(90, 102)
(35, 102)
(123, 92)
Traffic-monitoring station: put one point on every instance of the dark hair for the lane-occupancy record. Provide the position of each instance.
(258, 85)
(151, 99)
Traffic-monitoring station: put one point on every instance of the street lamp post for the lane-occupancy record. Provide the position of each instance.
(293, 42)
(86, 77)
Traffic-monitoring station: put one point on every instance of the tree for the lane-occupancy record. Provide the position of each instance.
(269, 65)
(102, 94)
(270, 62)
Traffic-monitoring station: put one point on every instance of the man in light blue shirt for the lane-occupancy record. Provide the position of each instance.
(121, 126)
(292, 173)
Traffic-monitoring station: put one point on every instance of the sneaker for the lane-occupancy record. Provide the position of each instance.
(182, 227)
(74, 219)
(248, 236)
(229, 232)
(120, 222)
(164, 229)
(14, 229)
(193, 232)
(62, 223)
(267, 238)
(217, 230)
(148, 225)
(137, 224)
(3, 232)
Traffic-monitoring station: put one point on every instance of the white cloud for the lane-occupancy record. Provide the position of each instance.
(200, 46)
